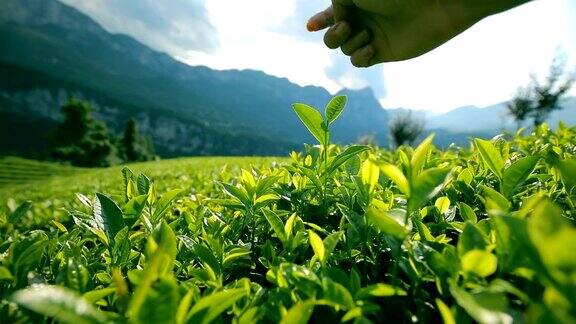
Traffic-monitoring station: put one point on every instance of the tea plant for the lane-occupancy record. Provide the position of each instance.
(351, 234)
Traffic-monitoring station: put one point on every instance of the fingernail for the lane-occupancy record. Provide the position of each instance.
(367, 51)
(341, 28)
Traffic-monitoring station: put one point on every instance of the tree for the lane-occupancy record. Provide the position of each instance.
(133, 145)
(547, 97)
(521, 106)
(538, 100)
(405, 129)
(81, 139)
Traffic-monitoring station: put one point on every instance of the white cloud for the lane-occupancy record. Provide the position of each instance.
(480, 67)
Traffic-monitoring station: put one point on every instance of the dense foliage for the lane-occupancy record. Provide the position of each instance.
(336, 234)
(82, 140)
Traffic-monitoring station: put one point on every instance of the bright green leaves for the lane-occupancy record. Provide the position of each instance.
(313, 120)
(515, 175)
(299, 313)
(567, 169)
(335, 108)
(315, 123)
(210, 307)
(396, 175)
(553, 236)
(490, 156)
(425, 186)
(479, 262)
(349, 153)
(276, 224)
(420, 155)
(59, 303)
(323, 248)
(369, 173)
(164, 203)
(386, 222)
(317, 246)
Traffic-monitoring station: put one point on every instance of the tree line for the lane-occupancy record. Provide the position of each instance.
(83, 140)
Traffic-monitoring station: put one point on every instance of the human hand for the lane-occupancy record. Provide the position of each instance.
(376, 31)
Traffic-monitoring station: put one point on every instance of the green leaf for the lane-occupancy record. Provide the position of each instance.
(479, 262)
(495, 201)
(394, 173)
(235, 254)
(210, 307)
(98, 294)
(445, 312)
(133, 210)
(313, 120)
(517, 173)
(380, 290)
(299, 313)
(317, 245)
(108, 216)
(345, 156)
(26, 255)
(553, 236)
(385, 223)
(335, 108)
(484, 308)
(442, 204)
(471, 239)
(513, 248)
(165, 239)
(276, 224)
(420, 154)
(143, 184)
(16, 215)
(331, 241)
(165, 202)
(337, 294)
(161, 302)
(490, 156)
(208, 259)
(59, 303)
(467, 213)
(567, 169)
(427, 185)
(369, 173)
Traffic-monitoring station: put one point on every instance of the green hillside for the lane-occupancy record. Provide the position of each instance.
(55, 185)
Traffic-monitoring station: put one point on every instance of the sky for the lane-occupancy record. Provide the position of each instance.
(482, 66)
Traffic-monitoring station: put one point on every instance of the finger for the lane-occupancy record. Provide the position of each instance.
(342, 9)
(321, 20)
(363, 56)
(356, 42)
(337, 34)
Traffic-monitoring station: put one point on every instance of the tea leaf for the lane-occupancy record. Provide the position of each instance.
(335, 108)
(312, 119)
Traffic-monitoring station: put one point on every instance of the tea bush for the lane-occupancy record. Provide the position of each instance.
(352, 234)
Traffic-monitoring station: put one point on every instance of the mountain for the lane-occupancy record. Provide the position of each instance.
(51, 50)
(494, 119)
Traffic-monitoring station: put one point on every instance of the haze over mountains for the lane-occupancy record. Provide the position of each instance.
(50, 50)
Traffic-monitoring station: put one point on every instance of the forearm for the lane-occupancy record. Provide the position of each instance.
(480, 9)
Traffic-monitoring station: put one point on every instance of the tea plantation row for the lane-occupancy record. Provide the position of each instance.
(353, 234)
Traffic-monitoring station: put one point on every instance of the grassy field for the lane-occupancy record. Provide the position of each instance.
(52, 186)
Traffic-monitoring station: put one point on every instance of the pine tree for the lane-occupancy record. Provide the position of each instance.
(133, 145)
(81, 139)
